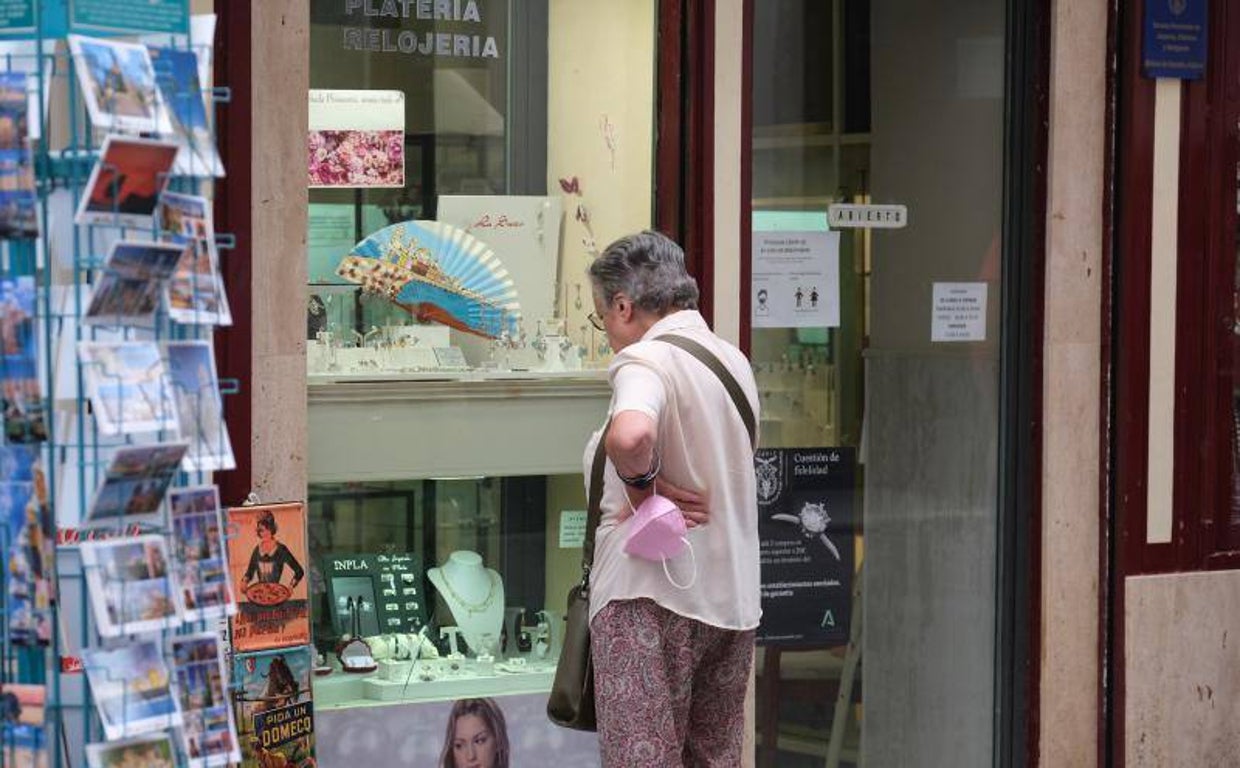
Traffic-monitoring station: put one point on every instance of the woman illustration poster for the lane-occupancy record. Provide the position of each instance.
(266, 550)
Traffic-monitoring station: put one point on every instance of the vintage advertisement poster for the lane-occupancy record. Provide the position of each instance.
(267, 564)
(275, 715)
(806, 527)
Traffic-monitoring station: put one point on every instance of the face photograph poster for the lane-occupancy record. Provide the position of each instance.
(118, 84)
(267, 564)
(357, 139)
(126, 182)
(275, 714)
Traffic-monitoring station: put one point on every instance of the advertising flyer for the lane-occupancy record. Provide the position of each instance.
(806, 526)
(266, 562)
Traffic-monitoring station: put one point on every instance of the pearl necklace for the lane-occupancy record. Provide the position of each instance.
(471, 608)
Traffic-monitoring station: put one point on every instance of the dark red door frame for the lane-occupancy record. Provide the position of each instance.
(1201, 535)
(233, 344)
(685, 146)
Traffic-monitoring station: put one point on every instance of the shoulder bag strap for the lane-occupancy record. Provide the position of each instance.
(729, 381)
(595, 508)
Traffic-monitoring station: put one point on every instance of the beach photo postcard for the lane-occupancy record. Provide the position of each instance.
(357, 138)
(196, 290)
(19, 212)
(20, 387)
(128, 386)
(131, 586)
(275, 714)
(200, 408)
(208, 730)
(132, 688)
(126, 182)
(29, 559)
(198, 550)
(118, 84)
(133, 279)
(176, 73)
(155, 751)
(136, 480)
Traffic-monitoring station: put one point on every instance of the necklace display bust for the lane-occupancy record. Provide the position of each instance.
(475, 595)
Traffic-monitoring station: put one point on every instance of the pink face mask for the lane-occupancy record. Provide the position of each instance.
(658, 533)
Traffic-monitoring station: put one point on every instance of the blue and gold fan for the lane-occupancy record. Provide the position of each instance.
(438, 273)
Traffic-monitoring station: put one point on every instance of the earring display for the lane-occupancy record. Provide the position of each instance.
(389, 585)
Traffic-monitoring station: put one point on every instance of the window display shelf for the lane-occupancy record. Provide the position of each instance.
(342, 691)
(477, 426)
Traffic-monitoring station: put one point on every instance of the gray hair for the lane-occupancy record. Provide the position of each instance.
(649, 268)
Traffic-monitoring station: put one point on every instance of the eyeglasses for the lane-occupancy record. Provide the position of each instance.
(596, 321)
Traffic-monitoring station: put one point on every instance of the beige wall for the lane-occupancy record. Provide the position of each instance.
(600, 60)
(1182, 664)
(1071, 386)
(277, 389)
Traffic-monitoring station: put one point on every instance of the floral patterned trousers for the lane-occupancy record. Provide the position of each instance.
(669, 690)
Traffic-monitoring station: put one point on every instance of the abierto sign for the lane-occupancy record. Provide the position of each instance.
(848, 215)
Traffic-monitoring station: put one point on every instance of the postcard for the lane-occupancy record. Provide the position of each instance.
(22, 703)
(128, 386)
(208, 730)
(21, 394)
(176, 73)
(130, 584)
(196, 290)
(132, 688)
(154, 751)
(357, 138)
(275, 713)
(118, 84)
(200, 409)
(23, 746)
(136, 480)
(134, 277)
(266, 553)
(19, 210)
(30, 536)
(126, 182)
(198, 547)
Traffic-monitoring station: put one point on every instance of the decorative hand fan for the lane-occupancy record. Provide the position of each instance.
(435, 271)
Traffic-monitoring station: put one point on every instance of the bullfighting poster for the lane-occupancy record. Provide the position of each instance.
(267, 563)
(806, 530)
(275, 714)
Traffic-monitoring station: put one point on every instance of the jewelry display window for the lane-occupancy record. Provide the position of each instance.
(459, 191)
(442, 587)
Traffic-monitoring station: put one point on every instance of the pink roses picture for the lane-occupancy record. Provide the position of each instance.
(356, 158)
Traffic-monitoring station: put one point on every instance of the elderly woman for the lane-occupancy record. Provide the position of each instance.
(671, 665)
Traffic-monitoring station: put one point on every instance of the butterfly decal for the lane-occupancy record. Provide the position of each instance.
(571, 186)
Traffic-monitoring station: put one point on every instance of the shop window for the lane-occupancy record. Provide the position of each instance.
(466, 162)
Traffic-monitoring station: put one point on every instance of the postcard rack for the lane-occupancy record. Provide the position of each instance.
(112, 406)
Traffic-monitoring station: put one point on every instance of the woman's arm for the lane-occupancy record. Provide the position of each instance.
(291, 562)
(252, 569)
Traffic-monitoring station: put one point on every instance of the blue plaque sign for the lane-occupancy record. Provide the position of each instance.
(1174, 39)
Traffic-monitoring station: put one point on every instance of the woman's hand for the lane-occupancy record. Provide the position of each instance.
(692, 505)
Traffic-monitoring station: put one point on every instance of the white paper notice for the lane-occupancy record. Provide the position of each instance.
(572, 528)
(796, 280)
(959, 312)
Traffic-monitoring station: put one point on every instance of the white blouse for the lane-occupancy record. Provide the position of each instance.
(704, 446)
